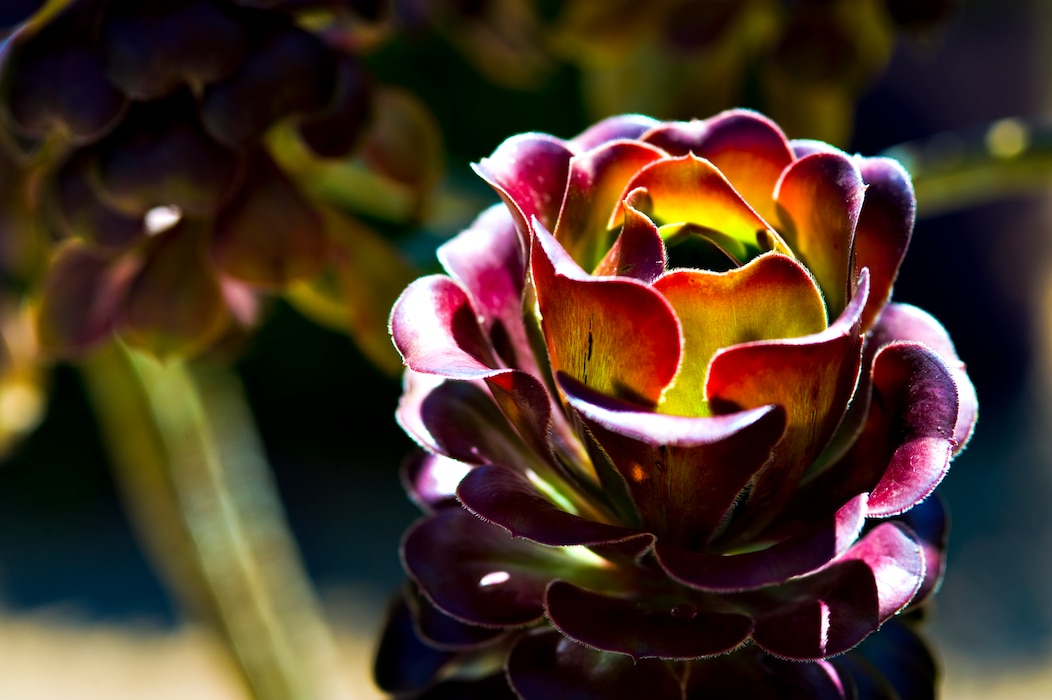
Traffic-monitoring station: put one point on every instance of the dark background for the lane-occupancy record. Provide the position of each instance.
(326, 416)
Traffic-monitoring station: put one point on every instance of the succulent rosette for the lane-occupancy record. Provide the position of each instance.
(676, 438)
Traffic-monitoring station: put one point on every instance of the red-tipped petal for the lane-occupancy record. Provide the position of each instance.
(884, 229)
(597, 180)
(812, 377)
(622, 126)
(617, 336)
(747, 147)
(820, 197)
(638, 251)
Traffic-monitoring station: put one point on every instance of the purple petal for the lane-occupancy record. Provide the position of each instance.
(527, 405)
(884, 228)
(622, 126)
(404, 663)
(929, 523)
(905, 322)
(506, 498)
(476, 572)
(795, 556)
(829, 612)
(529, 172)
(441, 631)
(488, 261)
(643, 629)
(547, 665)
(683, 473)
(750, 673)
(436, 330)
(918, 405)
(431, 480)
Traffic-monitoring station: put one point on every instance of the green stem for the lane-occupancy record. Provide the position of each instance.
(960, 169)
(200, 493)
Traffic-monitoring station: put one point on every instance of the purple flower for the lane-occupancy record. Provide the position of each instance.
(675, 436)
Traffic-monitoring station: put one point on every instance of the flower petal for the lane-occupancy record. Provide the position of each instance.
(436, 330)
(684, 474)
(829, 612)
(795, 556)
(441, 631)
(820, 197)
(597, 180)
(812, 377)
(929, 523)
(497, 581)
(431, 480)
(488, 262)
(403, 662)
(547, 665)
(529, 172)
(692, 190)
(905, 322)
(617, 336)
(885, 225)
(771, 297)
(643, 628)
(621, 126)
(747, 147)
(749, 672)
(637, 252)
(507, 498)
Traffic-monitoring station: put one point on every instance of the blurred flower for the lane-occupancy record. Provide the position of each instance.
(159, 131)
(675, 434)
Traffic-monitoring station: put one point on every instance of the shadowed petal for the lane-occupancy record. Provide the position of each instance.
(443, 632)
(895, 664)
(403, 662)
(431, 480)
(81, 294)
(904, 449)
(820, 197)
(617, 336)
(507, 498)
(547, 665)
(771, 297)
(597, 180)
(885, 225)
(929, 523)
(643, 629)
(829, 612)
(792, 557)
(436, 330)
(765, 677)
(488, 261)
(683, 473)
(497, 581)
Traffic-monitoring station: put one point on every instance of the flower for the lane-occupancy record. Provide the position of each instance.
(675, 435)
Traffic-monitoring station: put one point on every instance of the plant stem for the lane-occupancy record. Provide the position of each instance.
(198, 489)
(960, 169)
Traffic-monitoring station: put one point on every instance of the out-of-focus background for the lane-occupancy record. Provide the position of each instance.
(84, 615)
